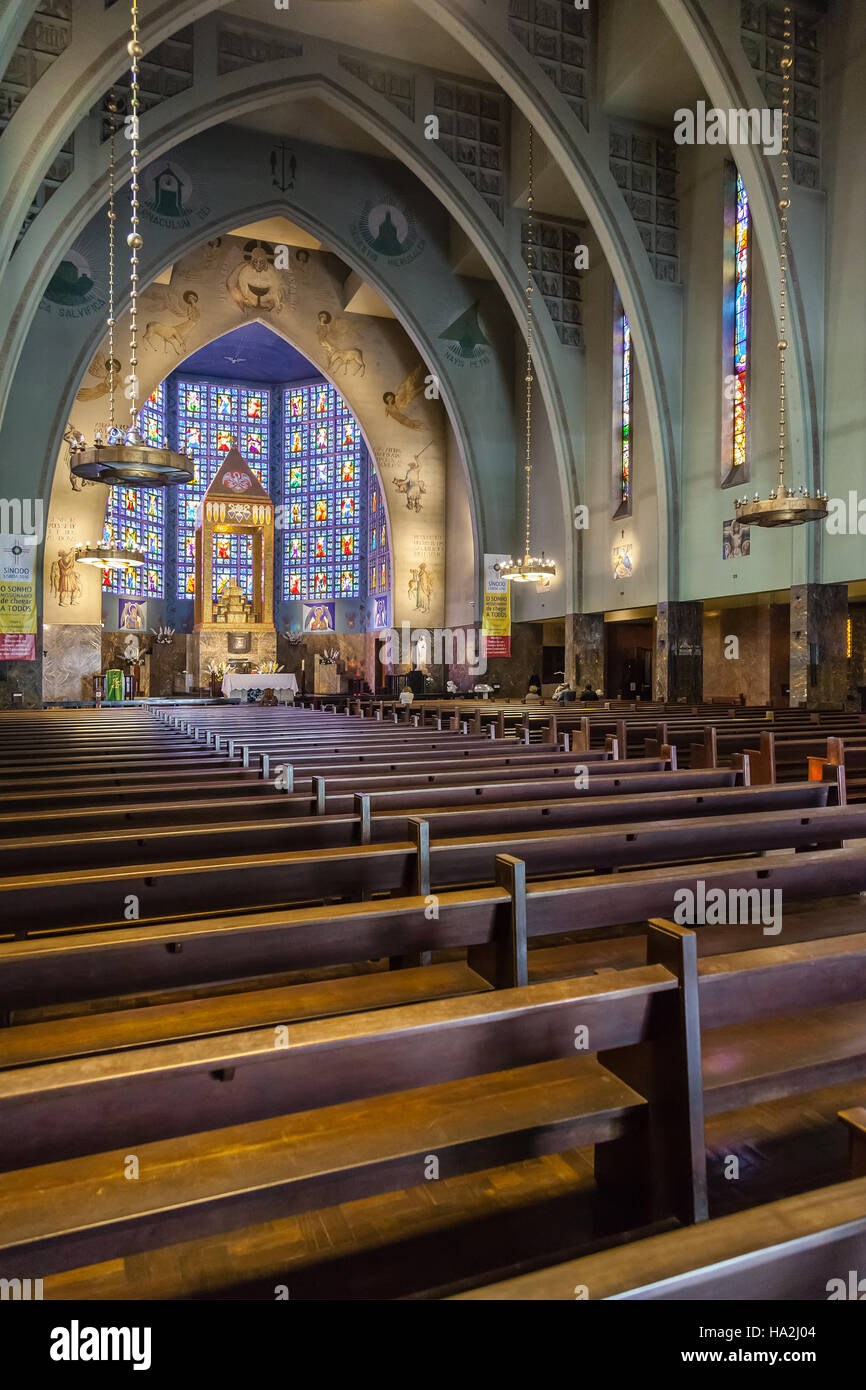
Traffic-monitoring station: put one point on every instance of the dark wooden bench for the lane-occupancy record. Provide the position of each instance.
(348, 1108)
(334, 1065)
(89, 835)
(788, 1250)
(235, 875)
(495, 923)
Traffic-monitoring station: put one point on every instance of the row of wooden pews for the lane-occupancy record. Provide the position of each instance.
(308, 968)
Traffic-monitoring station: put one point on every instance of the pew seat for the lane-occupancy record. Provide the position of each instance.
(122, 1029)
(786, 1250)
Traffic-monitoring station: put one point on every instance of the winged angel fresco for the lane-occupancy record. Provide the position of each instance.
(397, 402)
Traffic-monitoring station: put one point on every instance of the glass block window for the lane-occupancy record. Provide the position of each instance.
(324, 463)
(209, 418)
(378, 549)
(135, 518)
(233, 559)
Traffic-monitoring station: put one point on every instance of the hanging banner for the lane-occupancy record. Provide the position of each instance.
(496, 622)
(17, 598)
(114, 685)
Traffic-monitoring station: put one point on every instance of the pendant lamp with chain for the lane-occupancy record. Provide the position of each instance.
(783, 506)
(124, 458)
(529, 569)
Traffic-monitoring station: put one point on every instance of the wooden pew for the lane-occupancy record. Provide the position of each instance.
(246, 877)
(348, 1108)
(788, 1250)
(495, 923)
(166, 830)
(124, 1099)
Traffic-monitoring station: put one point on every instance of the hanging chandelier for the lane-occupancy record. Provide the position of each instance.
(123, 457)
(529, 569)
(783, 506)
(108, 557)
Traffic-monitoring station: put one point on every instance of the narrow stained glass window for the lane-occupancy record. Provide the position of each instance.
(622, 461)
(741, 325)
(625, 454)
(135, 518)
(736, 331)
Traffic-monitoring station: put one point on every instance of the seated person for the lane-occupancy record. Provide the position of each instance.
(533, 694)
(588, 693)
(416, 682)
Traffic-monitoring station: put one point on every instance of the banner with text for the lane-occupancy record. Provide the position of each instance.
(17, 598)
(496, 622)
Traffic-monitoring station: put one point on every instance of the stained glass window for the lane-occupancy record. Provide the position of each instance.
(135, 518)
(209, 418)
(741, 325)
(626, 413)
(622, 451)
(324, 456)
(378, 550)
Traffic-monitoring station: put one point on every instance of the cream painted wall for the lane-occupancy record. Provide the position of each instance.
(602, 591)
(844, 155)
(460, 559)
(704, 505)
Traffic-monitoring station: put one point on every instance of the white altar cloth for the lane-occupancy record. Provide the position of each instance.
(234, 684)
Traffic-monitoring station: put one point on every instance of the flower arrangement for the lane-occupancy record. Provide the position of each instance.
(217, 668)
(163, 635)
(267, 668)
(329, 656)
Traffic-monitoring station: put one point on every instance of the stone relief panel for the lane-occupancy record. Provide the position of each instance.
(45, 38)
(396, 87)
(762, 32)
(556, 275)
(473, 127)
(559, 37)
(645, 169)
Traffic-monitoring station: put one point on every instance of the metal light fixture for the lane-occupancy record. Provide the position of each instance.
(108, 557)
(530, 569)
(124, 457)
(783, 506)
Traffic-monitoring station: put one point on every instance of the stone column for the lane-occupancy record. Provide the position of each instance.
(819, 666)
(584, 649)
(678, 664)
(857, 664)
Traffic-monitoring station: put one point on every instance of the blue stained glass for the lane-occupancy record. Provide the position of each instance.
(135, 517)
(378, 550)
(323, 470)
(210, 418)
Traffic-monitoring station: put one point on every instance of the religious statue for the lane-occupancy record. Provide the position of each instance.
(66, 578)
(255, 284)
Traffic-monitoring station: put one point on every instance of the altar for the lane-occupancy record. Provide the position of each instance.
(234, 596)
(234, 684)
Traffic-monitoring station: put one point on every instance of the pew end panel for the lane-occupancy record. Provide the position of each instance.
(666, 1168)
(855, 1122)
